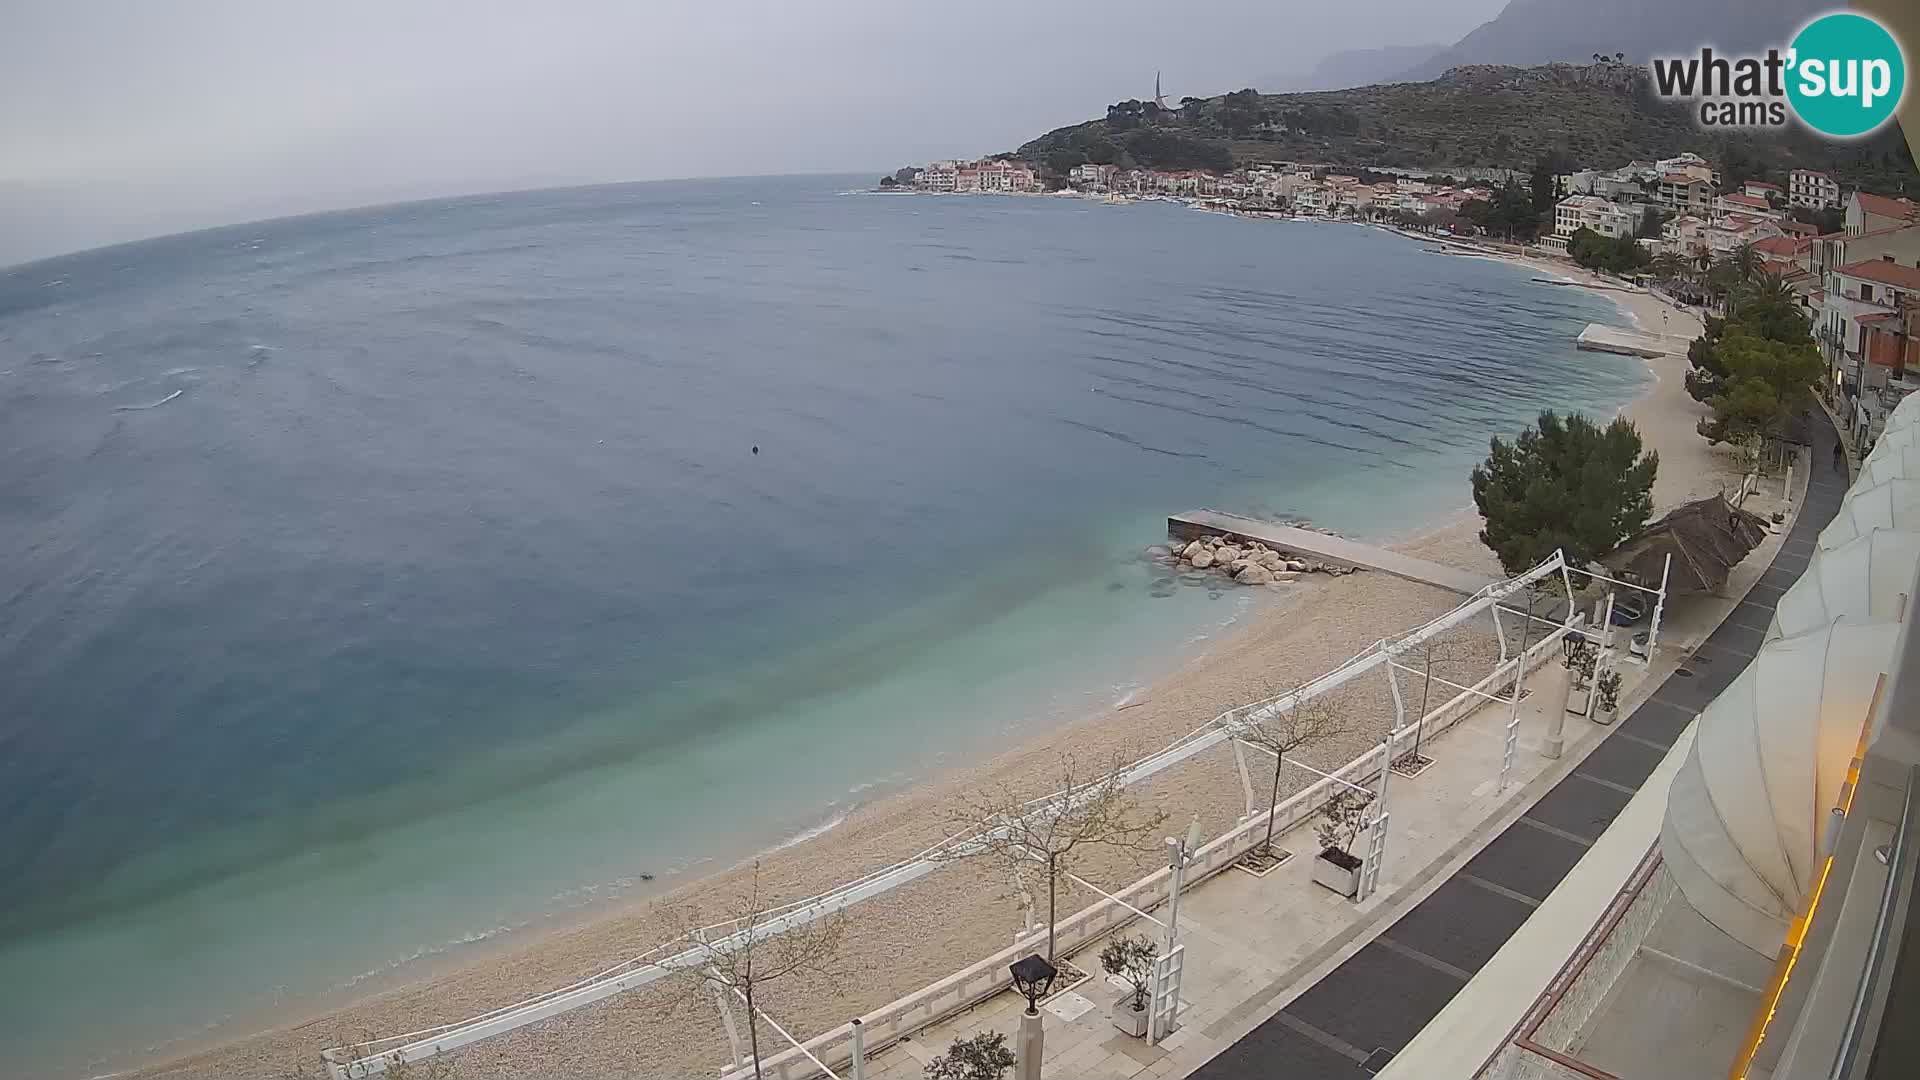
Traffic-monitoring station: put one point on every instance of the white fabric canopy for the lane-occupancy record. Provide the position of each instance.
(1747, 812)
(1905, 414)
(1889, 463)
(1894, 504)
(1898, 438)
(1862, 580)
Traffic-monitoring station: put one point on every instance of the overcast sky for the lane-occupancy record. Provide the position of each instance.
(120, 120)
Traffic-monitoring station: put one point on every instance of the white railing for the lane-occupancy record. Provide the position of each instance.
(979, 981)
(376, 1056)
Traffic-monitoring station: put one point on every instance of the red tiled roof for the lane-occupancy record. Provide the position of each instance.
(1884, 272)
(1780, 245)
(1680, 178)
(1761, 184)
(1876, 320)
(1882, 206)
(1754, 202)
(1799, 228)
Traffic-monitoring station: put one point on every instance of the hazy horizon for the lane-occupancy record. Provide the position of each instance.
(121, 121)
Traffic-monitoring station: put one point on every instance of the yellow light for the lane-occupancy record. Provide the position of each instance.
(1797, 930)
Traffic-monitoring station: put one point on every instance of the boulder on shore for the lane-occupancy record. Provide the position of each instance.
(1252, 573)
(1271, 560)
(1297, 566)
(1202, 559)
(1227, 553)
(1192, 549)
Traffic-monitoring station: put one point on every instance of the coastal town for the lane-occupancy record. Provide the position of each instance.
(1850, 257)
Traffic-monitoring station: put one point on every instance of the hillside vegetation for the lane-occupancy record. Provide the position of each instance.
(1545, 31)
(1590, 115)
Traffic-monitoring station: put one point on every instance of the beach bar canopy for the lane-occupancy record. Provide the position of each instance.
(1707, 539)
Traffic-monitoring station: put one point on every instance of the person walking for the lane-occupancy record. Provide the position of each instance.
(1839, 458)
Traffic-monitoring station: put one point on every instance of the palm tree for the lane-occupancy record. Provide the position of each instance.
(1668, 267)
(1770, 289)
(1745, 262)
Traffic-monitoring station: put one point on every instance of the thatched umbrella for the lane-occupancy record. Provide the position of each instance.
(1707, 539)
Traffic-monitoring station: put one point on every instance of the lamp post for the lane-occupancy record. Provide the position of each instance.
(1570, 646)
(1179, 852)
(1033, 977)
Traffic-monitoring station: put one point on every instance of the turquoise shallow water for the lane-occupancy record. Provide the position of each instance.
(378, 583)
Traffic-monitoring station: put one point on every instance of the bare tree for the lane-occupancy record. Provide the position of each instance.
(1444, 651)
(1085, 812)
(1308, 721)
(749, 949)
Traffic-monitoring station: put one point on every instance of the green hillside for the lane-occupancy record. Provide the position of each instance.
(1591, 115)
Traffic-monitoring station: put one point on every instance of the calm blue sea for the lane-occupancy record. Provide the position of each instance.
(376, 583)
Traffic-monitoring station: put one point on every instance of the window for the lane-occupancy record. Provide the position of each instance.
(1866, 291)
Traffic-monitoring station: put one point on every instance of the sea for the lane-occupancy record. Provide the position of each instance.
(376, 586)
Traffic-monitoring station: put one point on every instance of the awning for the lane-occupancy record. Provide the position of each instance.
(1707, 539)
(1889, 463)
(1867, 579)
(1747, 812)
(1894, 504)
(1906, 414)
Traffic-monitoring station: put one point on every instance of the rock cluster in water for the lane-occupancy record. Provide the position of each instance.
(1248, 562)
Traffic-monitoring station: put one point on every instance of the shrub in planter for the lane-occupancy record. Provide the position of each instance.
(1607, 690)
(1337, 867)
(1579, 664)
(983, 1057)
(1131, 958)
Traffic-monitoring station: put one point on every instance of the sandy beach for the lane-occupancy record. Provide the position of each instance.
(918, 933)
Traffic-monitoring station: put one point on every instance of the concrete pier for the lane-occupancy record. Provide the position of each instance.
(1598, 338)
(1333, 550)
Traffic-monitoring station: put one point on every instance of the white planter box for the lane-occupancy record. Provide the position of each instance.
(1128, 1019)
(1339, 879)
(1577, 699)
(1604, 716)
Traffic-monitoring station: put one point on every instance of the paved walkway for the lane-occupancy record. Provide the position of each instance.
(1252, 940)
(1337, 550)
(1349, 1025)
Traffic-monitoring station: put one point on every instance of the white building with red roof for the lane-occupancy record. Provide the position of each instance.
(1867, 212)
(1685, 192)
(1860, 297)
(1744, 203)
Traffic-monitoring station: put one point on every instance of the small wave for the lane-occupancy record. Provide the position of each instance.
(805, 835)
(171, 372)
(425, 951)
(150, 404)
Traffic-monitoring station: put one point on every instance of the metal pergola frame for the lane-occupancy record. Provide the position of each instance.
(374, 1057)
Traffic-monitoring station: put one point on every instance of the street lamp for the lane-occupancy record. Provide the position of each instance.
(1033, 977)
(1572, 643)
